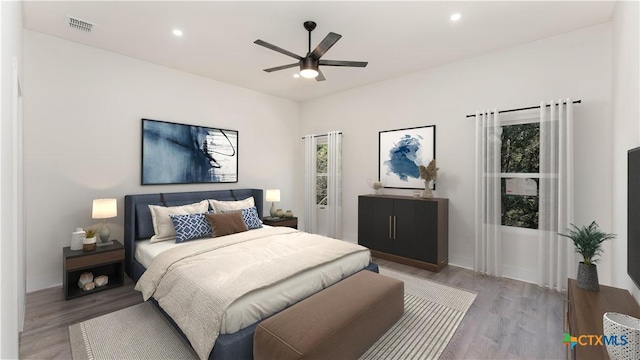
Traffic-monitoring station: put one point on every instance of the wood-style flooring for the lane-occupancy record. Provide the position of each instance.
(509, 319)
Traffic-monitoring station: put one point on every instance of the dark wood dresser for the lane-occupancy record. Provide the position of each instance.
(409, 230)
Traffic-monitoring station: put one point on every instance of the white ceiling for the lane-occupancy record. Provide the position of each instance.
(396, 38)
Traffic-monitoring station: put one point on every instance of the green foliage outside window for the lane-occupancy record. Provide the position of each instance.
(521, 148)
(519, 210)
(321, 159)
(321, 174)
(520, 154)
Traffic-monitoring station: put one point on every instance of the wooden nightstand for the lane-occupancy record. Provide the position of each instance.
(291, 222)
(105, 260)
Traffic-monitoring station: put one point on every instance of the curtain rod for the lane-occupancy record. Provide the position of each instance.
(526, 108)
(321, 135)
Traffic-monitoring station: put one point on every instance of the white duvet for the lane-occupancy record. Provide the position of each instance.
(196, 282)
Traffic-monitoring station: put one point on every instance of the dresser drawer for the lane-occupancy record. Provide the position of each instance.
(95, 259)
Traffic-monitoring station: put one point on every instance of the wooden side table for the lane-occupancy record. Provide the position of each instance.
(585, 312)
(105, 260)
(291, 222)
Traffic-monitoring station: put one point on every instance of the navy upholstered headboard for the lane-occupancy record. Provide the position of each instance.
(137, 216)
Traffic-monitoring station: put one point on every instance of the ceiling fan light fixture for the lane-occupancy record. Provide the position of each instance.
(309, 73)
(309, 68)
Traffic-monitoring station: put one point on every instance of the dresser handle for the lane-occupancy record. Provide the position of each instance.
(394, 227)
(390, 227)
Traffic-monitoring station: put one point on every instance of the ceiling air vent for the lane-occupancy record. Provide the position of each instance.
(78, 24)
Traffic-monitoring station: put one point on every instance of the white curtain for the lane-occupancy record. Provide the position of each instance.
(310, 217)
(488, 222)
(334, 184)
(556, 259)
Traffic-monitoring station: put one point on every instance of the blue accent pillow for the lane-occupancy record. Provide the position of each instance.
(191, 226)
(250, 217)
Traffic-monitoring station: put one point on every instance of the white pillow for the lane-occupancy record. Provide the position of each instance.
(162, 224)
(219, 206)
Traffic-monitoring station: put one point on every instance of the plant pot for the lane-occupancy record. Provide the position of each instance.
(89, 244)
(588, 277)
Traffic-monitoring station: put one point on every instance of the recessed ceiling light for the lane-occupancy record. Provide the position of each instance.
(296, 75)
(456, 17)
(177, 32)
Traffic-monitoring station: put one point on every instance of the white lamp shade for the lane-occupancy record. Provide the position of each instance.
(273, 195)
(104, 208)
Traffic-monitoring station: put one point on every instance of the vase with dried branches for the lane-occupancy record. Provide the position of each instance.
(428, 174)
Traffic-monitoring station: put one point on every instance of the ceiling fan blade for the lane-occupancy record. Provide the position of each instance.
(325, 45)
(282, 67)
(320, 76)
(343, 63)
(277, 48)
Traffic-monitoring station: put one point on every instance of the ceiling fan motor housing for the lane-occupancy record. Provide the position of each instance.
(309, 63)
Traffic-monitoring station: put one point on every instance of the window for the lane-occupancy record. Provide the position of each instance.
(520, 167)
(321, 174)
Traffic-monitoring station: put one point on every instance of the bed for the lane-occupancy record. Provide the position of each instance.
(237, 342)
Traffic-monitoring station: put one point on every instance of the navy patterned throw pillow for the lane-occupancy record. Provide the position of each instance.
(250, 217)
(190, 227)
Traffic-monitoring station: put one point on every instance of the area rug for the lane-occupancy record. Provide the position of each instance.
(137, 332)
(432, 314)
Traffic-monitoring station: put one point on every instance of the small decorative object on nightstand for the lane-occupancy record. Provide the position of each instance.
(291, 222)
(76, 239)
(82, 268)
(89, 240)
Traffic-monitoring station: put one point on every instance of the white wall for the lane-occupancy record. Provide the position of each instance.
(626, 135)
(576, 65)
(12, 269)
(83, 137)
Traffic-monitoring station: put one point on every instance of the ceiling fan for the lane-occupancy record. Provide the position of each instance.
(310, 64)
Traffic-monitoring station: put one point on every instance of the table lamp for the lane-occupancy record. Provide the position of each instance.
(104, 209)
(273, 195)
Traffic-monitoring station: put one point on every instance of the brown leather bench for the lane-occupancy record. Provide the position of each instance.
(340, 322)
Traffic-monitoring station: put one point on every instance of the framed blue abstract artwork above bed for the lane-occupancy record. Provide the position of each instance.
(187, 154)
(401, 152)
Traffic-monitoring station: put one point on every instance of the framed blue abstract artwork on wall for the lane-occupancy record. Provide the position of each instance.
(401, 152)
(187, 154)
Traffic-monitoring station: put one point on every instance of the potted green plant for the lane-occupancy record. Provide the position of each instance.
(89, 242)
(588, 243)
